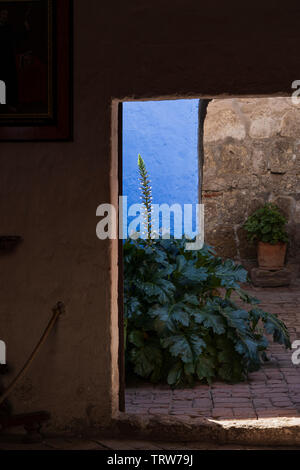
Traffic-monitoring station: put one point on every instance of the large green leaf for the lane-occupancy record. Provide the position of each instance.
(175, 374)
(155, 291)
(180, 263)
(246, 297)
(197, 344)
(180, 315)
(191, 299)
(137, 338)
(206, 367)
(273, 326)
(193, 274)
(237, 319)
(146, 360)
(231, 274)
(133, 307)
(178, 346)
(210, 319)
(167, 286)
(159, 311)
(248, 348)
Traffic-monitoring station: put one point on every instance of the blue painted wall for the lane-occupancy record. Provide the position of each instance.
(165, 133)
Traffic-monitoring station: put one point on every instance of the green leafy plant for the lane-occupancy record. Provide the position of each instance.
(186, 316)
(267, 224)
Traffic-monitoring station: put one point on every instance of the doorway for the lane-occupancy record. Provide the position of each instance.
(259, 397)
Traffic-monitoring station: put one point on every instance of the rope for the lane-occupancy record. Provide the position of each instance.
(58, 310)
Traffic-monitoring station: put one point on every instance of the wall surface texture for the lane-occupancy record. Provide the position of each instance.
(49, 192)
(252, 156)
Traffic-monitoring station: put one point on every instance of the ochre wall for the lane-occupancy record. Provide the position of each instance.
(49, 191)
(252, 156)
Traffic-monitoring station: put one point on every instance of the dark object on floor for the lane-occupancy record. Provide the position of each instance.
(31, 422)
(271, 278)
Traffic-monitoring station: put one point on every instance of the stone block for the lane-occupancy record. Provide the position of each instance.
(224, 242)
(235, 158)
(286, 205)
(259, 158)
(290, 124)
(264, 127)
(265, 278)
(281, 157)
(255, 202)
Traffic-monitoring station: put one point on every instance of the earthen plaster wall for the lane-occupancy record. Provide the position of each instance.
(49, 192)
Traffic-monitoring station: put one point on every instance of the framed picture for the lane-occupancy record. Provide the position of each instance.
(35, 70)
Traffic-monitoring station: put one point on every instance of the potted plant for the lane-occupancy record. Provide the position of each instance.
(267, 227)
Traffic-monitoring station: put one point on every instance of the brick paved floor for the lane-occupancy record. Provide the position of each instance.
(274, 391)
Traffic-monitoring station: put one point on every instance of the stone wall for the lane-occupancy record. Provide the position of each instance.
(251, 151)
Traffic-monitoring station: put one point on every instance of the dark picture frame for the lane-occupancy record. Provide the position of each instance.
(36, 55)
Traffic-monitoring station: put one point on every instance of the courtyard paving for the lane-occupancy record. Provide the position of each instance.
(273, 391)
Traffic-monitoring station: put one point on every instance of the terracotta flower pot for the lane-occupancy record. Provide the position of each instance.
(271, 256)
